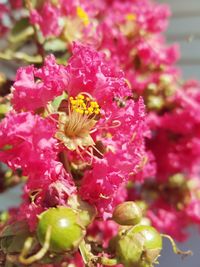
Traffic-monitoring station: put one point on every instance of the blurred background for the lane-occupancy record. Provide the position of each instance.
(184, 28)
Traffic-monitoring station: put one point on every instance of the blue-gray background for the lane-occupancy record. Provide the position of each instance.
(184, 28)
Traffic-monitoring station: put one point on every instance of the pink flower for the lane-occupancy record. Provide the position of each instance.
(45, 188)
(157, 17)
(96, 132)
(101, 185)
(149, 16)
(27, 141)
(34, 88)
(16, 4)
(121, 127)
(168, 220)
(193, 211)
(89, 72)
(176, 139)
(154, 51)
(47, 18)
(103, 231)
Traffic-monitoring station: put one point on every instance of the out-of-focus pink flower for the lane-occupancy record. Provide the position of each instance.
(176, 139)
(168, 220)
(16, 4)
(153, 51)
(47, 18)
(103, 231)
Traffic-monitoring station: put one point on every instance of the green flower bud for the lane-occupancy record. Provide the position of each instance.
(127, 213)
(66, 230)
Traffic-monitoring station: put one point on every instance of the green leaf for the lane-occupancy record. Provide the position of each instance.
(13, 237)
(57, 101)
(27, 58)
(17, 243)
(55, 45)
(13, 229)
(11, 55)
(4, 108)
(21, 31)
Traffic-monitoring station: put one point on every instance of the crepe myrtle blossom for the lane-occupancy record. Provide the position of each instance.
(47, 18)
(173, 215)
(176, 133)
(91, 142)
(39, 85)
(168, 220)
(131, 35)
(143, 15)
(69, 20)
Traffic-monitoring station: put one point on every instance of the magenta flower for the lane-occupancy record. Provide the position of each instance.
(47, 18)
(95, 132)
(33, 88)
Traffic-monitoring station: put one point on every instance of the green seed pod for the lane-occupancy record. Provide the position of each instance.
(66, 231)
(138, 246)
(86, 212)
(145, 221)
(127, 213)
(142, 205)
(152, 242)
(129, 249)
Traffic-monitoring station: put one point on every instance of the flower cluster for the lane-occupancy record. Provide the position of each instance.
(88, 134)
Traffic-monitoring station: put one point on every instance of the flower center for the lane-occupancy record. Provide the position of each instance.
(75, 25)
(84, 105)
(76, 126)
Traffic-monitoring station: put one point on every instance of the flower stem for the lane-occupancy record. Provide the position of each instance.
(40, 254)
(39, 45)
(109, 262)
(175, 248)
(85, 252)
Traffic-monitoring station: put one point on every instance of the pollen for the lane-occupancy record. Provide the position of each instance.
(84, 105)
(131, 16)
(82, 15)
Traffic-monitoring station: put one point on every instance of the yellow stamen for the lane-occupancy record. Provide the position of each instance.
(82, 15)
(84, 105)
(76, 126)
(131, 16)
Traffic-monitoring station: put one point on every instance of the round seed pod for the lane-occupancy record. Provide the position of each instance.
(138, 246)
(66, 231)
(127, 213)
(152, 242)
